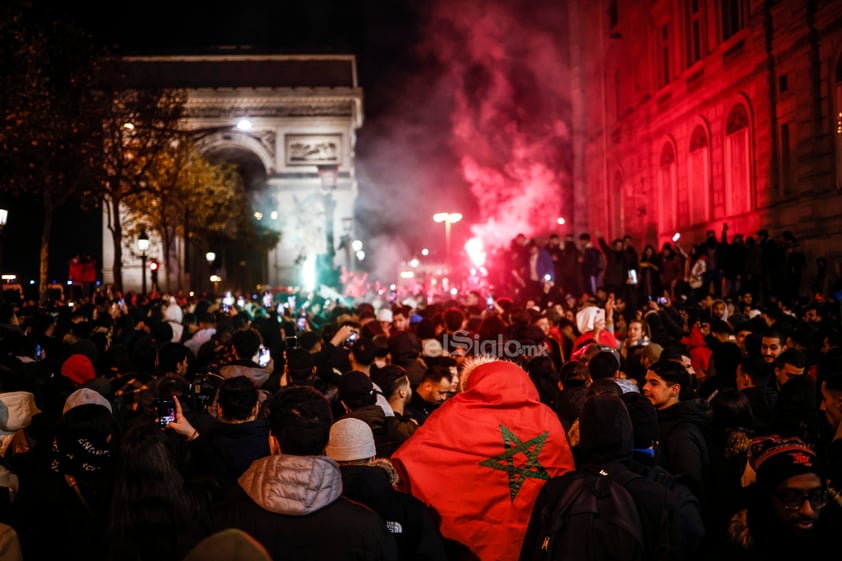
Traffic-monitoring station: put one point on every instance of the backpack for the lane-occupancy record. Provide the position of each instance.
(688, 520)
(595, 519)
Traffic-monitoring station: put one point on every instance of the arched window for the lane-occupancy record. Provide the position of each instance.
(666, 189)
(737, 187)
(698, 177)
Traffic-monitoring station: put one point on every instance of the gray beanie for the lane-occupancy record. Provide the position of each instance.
(350, 439)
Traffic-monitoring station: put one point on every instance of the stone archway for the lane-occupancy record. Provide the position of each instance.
(303, 112)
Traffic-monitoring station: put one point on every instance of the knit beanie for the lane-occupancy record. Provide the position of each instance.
(78, 368)
(350, 439)
(775, 459)
(85, 396)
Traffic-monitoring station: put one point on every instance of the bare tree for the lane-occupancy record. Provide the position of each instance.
(50, 131)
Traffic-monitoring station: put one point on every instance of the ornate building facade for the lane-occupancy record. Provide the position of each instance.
(289, 122)
(690, 114)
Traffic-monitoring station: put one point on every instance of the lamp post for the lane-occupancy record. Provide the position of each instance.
(448, 218)
(210, 257)
(328, 175)
(4, 217)
(142, 247)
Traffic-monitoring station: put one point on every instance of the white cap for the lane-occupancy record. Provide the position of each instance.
(350, 439)
(384, 314)
(85, 396)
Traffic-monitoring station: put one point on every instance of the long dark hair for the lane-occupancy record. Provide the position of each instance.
(151, 507)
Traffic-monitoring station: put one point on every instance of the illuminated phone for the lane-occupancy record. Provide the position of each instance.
(264, 356)
(165, 410)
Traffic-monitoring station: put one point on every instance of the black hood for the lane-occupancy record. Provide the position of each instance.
(605, 430)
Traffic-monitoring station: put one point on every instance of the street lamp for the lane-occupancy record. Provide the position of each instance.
(4, 216)
(210, 257)
(328, 175)
(448, 218)
(142, 247)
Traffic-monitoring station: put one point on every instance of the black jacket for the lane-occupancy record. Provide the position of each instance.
(234, 446)
(293, 506)
(406, 517)
(386, 437)
(683, 443)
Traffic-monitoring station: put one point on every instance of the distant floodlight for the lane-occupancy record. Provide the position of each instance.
(560, 221)
(258, 215)
(476, 252)
(215, 278)
(407, 274)
(450, 217)
(356, 245)
(414, 262)
(244, 124)
(128, 126)
(425, 252)
(361, 255)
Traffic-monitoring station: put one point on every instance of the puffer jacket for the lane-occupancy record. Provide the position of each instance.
(293, 505)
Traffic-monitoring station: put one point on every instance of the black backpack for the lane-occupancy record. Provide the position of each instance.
(594, 519)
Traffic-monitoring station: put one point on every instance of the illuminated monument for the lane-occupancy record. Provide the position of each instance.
(289, 122)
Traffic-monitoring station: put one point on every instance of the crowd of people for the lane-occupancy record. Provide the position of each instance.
(168, 427)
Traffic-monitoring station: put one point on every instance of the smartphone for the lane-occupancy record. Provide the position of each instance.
(263, 357)
(675, 237)
(291, 343)
(662, 300)
(39, 352)
(632, 276)
(489, 302)
(353, 337)
(165, 410)
(302, 323)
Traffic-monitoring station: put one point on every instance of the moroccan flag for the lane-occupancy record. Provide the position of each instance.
(480, 459)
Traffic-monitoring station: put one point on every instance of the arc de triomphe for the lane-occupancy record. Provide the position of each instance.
(292, 120)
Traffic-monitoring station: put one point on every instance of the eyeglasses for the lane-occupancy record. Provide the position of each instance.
(793, 499)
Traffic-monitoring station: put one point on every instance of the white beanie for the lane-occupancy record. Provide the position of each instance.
(85, 396)
(350, 439)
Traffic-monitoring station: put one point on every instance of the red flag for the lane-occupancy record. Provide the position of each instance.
(480, 460)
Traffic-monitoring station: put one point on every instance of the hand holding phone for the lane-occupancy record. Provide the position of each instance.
(170, 408)
(165, 411)
(263, 357)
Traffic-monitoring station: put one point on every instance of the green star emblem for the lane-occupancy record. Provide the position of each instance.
(505, 461)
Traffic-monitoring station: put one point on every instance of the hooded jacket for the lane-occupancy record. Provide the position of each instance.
(290, 504)
(683, 443)
(607, 442)
(252, 371)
